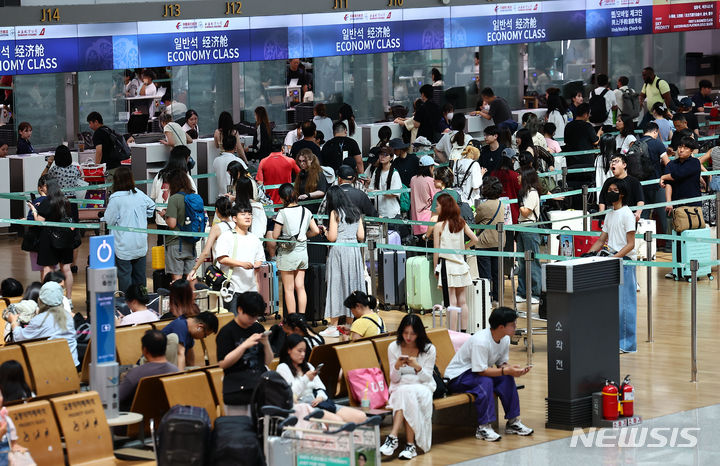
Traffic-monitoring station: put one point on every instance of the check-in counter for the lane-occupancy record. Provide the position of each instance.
(149, 159)
(370, 137)
(475, 126)
(4, 188)
(539, 112)
(24, 173)
(207, 152)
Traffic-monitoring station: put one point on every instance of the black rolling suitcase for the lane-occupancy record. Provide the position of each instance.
(183, 437)
(160, 280)
(234, 442)
(316, 289)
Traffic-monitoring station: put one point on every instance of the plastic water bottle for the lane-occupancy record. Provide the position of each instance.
(365, 402)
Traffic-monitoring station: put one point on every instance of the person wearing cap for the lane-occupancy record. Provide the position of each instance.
(384, 177)
(405, 164)
(137, 299)
(422, 192)
(686, 110)
(347, 177)
(52, 321)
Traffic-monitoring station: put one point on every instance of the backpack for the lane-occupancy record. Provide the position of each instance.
(639, 161)
(121, 150)
(404, 200)
(674, 93)
(194, 217)
(460, 183)
(467, 213)
(272, 390)
(630, 103)
(598, 109)
(456, 151)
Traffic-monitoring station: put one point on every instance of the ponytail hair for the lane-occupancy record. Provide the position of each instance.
(359, 297)
(458, 124)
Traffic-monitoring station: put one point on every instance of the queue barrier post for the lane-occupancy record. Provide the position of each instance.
(648, 243)
(693, 320)
(501, 264)
(103, 228)
(585, 207)
(371, 258)
(564, 177)
(529, 257)
(717, 234)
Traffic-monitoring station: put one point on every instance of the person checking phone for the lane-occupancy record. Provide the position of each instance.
(481, 367)
(243, 352)
(307, 386)
(411, 358)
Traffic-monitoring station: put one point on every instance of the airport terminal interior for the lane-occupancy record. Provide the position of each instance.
(142, 64)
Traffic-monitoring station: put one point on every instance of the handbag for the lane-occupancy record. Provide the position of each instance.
(31, 240)
(63, 237)
(214, 277)
(441, 389)
(289, 242)
(369, 383)
(227, 288)
(688, 218)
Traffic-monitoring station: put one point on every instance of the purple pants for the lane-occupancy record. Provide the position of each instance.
(483, 387)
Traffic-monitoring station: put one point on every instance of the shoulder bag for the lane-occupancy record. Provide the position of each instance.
(288, 242)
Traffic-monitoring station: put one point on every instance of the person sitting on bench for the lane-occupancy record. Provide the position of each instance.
(154, 343)
(187, 330)
(471, 371)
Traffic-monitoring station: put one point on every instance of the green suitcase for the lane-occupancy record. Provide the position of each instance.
(421, 284)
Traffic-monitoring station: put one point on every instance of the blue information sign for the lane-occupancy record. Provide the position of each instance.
(105, 315)
(102, 252)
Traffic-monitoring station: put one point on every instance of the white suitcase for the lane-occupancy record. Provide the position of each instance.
(640, 244)
(453, 314)
(559, 219)
(479, 304)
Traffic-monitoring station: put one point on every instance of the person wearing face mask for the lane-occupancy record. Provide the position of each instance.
(447, 117)
(634, 197)
(618, 232)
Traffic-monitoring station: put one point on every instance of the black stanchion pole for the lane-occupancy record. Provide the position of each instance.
(648, 243)
(529, 257)
(693, 319)
(501, 264)
(585, 207)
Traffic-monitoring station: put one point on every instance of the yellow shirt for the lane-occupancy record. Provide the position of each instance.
(653, 94)
(368, 325)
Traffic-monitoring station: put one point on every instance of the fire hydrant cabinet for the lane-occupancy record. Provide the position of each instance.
(583, 335)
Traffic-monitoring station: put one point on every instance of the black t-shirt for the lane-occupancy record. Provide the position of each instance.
(491, 159)
(678, 135)
(360, 200)
(429, 115)
(332, 152)
(499, 110)
(656, 149)
(304, 144)
(634, 195)
(102, 137)
(579, 135)
(242, 377)
(407, 167)
(298, 74)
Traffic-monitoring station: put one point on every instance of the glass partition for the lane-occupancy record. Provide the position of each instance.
(40, 100)
(263, 84)
(666, 53)
(102, 92)
(501, 69)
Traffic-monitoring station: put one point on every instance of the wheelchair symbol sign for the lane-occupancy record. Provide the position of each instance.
(102, 252)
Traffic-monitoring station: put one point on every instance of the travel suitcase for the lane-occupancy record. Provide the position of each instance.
(421, 285)
(161, 280)
(234, 441)
(640, 244)
(279, 451)
(316, 289)
(392, 276)
(268, 288)
(183, 437)
(479, 304)
(453, 314)
(690, 250)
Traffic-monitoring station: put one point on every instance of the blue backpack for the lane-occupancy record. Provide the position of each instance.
(194, 217)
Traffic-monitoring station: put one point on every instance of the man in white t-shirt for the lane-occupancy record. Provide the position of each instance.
(481, 367)
(241, 253)
(618, 232)
(610, 104)
(220, 164)
(148, 89)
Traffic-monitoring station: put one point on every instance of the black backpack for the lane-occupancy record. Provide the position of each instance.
(640, 163)
(630, 103)
(674, 93)
(121, 150)
(598, 109)
(272, 390)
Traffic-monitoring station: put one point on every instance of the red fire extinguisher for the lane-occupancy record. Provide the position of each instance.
(610, 401)
(627, 397)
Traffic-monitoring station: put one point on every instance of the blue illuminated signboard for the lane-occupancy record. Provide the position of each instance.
(107, 46)
(275, 37)
(426, 28)
(105, 312)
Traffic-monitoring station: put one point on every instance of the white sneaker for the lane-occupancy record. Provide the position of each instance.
(534, 300)
(486, 432)
(390, 445)
(519, 299)
(408, 453)
(517, 428)
(331, 331)
(670, 276)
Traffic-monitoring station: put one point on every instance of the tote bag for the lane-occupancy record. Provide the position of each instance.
(373, 379)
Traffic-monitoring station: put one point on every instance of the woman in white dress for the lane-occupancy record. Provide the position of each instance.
(411, 358)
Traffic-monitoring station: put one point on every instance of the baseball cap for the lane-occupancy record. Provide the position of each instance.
(51, 294)
(346, 172)
(508, 152)
(686, 102)
(427, 161)
(422, 141)
(397, 143)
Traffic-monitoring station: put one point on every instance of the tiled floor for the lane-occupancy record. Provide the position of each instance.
(660, 434)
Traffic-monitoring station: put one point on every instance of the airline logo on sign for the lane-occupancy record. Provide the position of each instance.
(7, 33)
(517, 8)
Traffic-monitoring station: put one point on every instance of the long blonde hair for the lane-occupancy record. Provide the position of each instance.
(58, 312)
